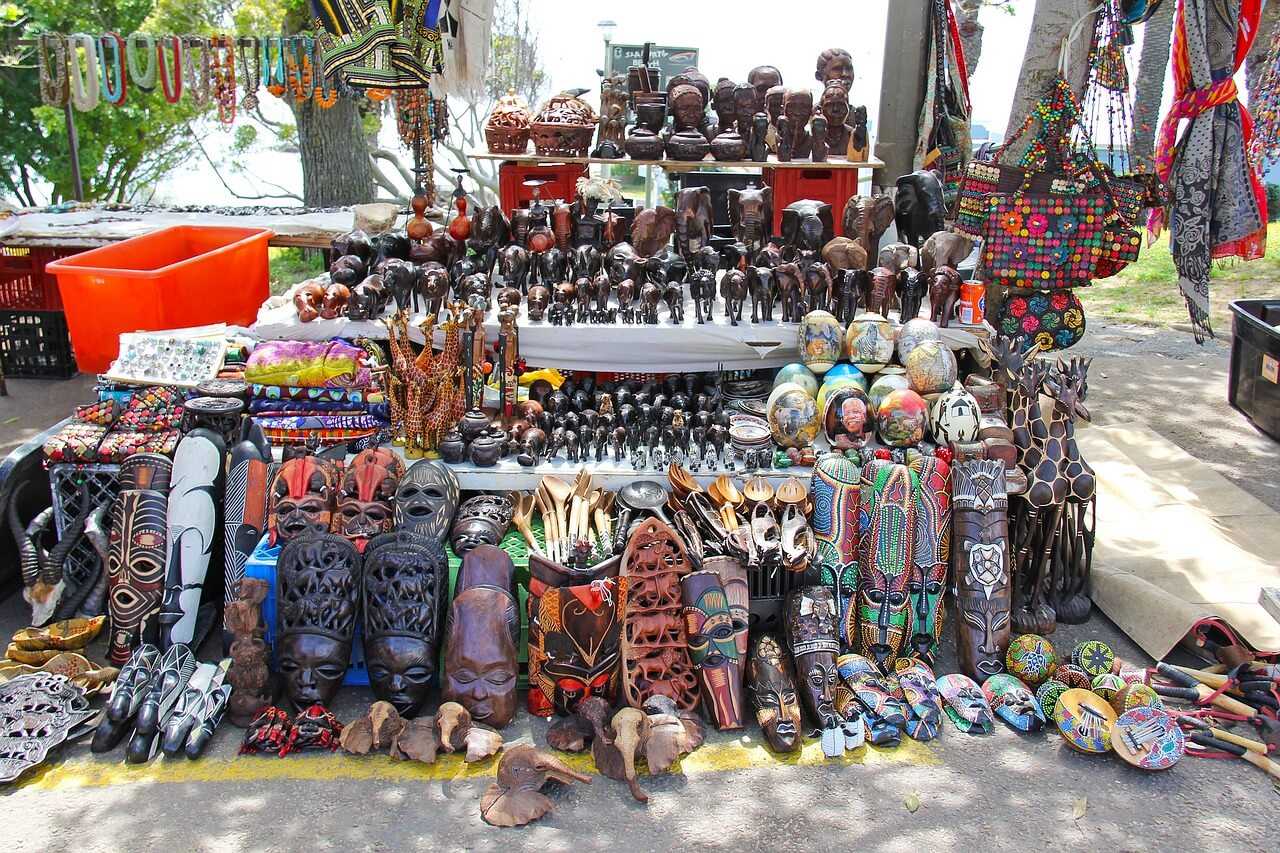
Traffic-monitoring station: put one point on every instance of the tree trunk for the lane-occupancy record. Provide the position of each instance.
(336, 168)
(1149, 87)
(970, 32)
(1256, 61)
(1051, 24)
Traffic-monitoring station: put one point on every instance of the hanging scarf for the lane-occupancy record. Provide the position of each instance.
(1219, 206)
(951, 104)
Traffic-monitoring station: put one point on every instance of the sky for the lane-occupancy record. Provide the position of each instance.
(732, 38)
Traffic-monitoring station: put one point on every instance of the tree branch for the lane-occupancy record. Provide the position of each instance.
(223, 181)
(383, 154)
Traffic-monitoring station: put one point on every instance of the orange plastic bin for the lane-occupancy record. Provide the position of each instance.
(188, 275)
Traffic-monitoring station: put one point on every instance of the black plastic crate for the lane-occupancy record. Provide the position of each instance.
(1254, 386)
(36, 344)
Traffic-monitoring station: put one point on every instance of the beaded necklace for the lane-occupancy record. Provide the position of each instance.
(54, 76)
(273, 73)
(198, 83)
(170, 74)
(144, 80)
(298, 59)
(325, 96)
(249, 49)
(84, 87)
(223, 61)
(115, 96)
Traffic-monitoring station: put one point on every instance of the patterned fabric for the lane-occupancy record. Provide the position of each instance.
(1219, 207)
(121, 443)
(75, 442)
(371, 394)
(321, 437)
(155, 408)
(102, 413)
(1120, 247)
(305, 407)
(321, 422)
(1044, 241)
(309, 364)
(380, 44)
(1054, 320)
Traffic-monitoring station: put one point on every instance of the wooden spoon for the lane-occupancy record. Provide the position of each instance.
(545, 506)
(757, 490)
(581, 490)
(682, 482)
(726, 496)
(521, 512)
(559, 492)
(603, 512)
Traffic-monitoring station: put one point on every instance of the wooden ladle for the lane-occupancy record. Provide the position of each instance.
(559, 491)
(727, 497)
(521, 514)
(603, 512)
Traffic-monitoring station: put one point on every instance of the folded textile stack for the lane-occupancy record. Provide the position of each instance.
(319, 393)
(107, 431)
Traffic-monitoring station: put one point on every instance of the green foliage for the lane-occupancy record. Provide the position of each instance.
(1273, 202)
(288, 266)
(125, 151)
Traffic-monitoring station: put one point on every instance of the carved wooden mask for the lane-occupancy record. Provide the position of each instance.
(773, 692)
(136, 553)
(302, 497)
(886, 521)
(981, 554)
(317, 603)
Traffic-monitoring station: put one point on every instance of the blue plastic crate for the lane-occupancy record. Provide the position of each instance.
(262, 565)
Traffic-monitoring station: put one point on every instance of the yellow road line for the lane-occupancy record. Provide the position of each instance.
(90, 772)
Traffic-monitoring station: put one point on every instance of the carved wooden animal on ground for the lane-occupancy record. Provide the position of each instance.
(912, 286)
(702, 287)
(760, 282)
(866, 218)
(844, 253)
(849, 287)
(807, 224)
(1076, 536)
(402, 278)
(817, 285)
(944, 288)
(693, 219)
(513, 266)
(787, 277)
(434, 286)
(898, 256)
(884, 287)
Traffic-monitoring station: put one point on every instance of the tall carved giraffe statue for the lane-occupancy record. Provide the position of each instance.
(1075, 537)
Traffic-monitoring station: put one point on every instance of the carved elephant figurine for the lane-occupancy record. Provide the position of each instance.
(513, 266)
(844, 253)
(760, 282)
(918, 207)
(751, 215)
(807, 224)
(600, 287)
(733, 289)
(866, 218)
(898, 257)
(562, 227)
(788, 280)
(348, 269)
(912, 285)
(650, 295)
(586, 261)
(539, 298)
(693, 219)
(884, 287)
(817, 285)
(402, 278)
(307, 300)
(850, 285)
(620, 263)
(702, 287)
(652, 229)
(434, 284)
(552, 268)
(944, 288)
(368, 298)
(944, 249)
(439, 247)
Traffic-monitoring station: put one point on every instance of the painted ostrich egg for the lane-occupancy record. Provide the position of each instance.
(845, 370)
(793, 416)
(901, 418)
(915, 332)
(869, 342)
(882, 387)
(955, 416)
(821, 338)
(847, 418)
(931, 367)
(799, 374)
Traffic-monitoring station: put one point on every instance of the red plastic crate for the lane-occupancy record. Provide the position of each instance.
(24, 284)
(562, 182)
(834, 186)
(187, 275)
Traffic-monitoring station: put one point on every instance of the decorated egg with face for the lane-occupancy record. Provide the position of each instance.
(915, 332)
(931, 367)
(845, 370)
(1013, 702)
(829, 387)
(1031, 658)
(797, 373)
(793, 416)
(901, 418)
(884, 384)
(955, 416)
(869, 342)
(847, 420)
(821, 338)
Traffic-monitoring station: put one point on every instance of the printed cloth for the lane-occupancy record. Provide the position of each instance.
(372, 394)
(309, 364)
(321, 422)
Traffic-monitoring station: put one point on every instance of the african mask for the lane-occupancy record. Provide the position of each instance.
(734, 579)
(1013, 702)
(192, 518)
(479, 647)
(302, 498)
(481, 520)
(886, 523)
(929, 556)
(773, 692)
(917, 682)
(244, 511)
(135, 566)
(365, 495)
(712, 647)
(404, 584)
(981, 555)
(885, 714)
(811, 631)
(835, 64)
(965, 703)
(426, 499)
(317, 603)
(834, 520)
(146, 471)
(575, 631)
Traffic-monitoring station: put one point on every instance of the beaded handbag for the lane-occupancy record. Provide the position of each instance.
(1042, 241)
(1052, 320)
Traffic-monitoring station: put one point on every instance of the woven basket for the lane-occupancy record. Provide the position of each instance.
(562, 140)
(507, 140)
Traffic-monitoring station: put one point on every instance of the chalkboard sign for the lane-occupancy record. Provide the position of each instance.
(669, 60)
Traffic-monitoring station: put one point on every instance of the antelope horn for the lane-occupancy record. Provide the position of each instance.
(28, 553)
(52, 570)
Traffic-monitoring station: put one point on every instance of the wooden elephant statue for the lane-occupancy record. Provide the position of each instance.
(844, 253)
(751, 215)
(693, 220)
(433, 284)
(898, 256)
(866, 218)
(733, 288)
(760, 282)
(652, 229)
(807, 224)
(850, 285)
(513, 266)
(944, 288)
(884, 289)
(702, 287)
(944, 249)
(789, 286)
(912, 285)
(918, 207)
